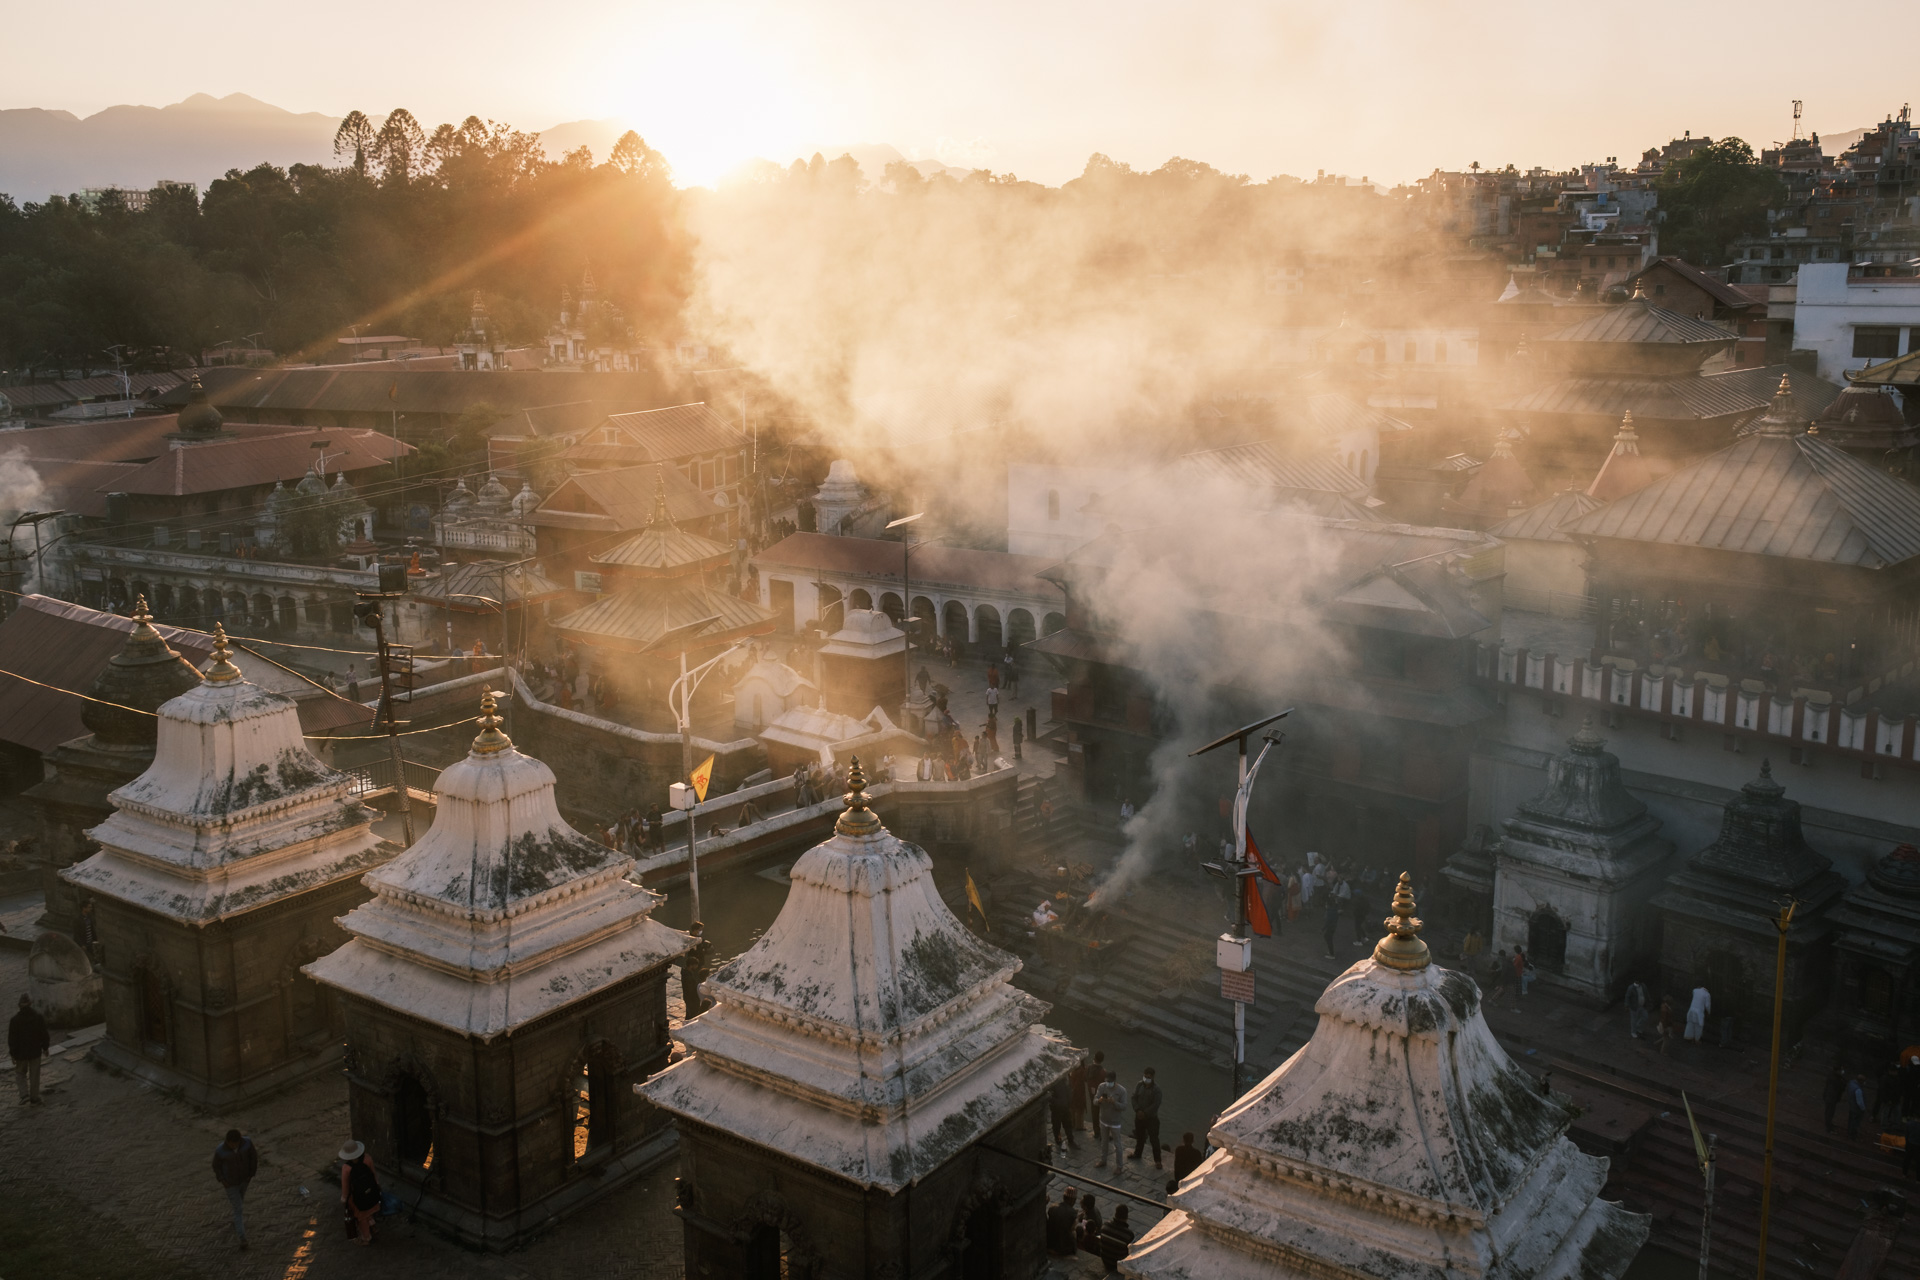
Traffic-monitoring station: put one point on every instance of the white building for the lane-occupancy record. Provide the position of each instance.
(1050, 508)
(1850, 320)
(1401, 1141)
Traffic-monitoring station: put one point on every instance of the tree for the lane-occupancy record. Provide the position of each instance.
(1713, 197)
(400, 146)
(633, 157)
(354, 137)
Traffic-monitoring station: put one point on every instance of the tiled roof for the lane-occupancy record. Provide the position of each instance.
(1641, 323)
(237, 464)
(1543, 521)
(636, 618)
(1788, 495)
(660, 435)
(933, 566)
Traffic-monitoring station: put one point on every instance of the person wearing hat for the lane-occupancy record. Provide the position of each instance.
(234, 1164)
(27, 1042)
(359, 1190)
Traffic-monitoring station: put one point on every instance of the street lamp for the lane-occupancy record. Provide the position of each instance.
(683, 717)
(1239, 870)
(907, 548)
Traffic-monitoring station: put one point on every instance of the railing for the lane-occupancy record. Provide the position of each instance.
(375, 778)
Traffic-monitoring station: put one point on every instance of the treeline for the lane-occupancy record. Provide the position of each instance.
(396, 239)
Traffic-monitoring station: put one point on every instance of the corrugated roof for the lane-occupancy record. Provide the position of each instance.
(412, 391)
(523, 584)
(677, 432)
(219, 465)
(1544, 521)
(638, 617)
(624, 496)
(663, 548)
(1690, 398)
(1719, 290)
(1265, 466)
(1641, 323)
(933, 566)
(1794, 496)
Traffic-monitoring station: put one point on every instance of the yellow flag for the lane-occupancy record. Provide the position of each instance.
(1699, 1143)
(702, 776)
(973, 896)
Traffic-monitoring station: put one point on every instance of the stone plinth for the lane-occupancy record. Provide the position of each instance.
(861, 665)
(1400, 1143)
(848, 1097)
(219, 874)
(503, 992)
(1576, 870)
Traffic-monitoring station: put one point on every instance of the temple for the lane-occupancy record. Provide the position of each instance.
(219, 874)
(865, 1096)
(503, 990)
(1401, 1143)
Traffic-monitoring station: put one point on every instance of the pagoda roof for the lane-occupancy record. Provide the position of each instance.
(1400, 1143)
(1500, 485)
(502, 913)
(867, 1033)
(1544, 521)
(1625, 470)
(1776, 491)
(1902, 371)
(663, 549)
(1682, 398)
(638, 617)
(1640, 323)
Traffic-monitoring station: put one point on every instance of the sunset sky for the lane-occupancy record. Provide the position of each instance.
(1388, 88)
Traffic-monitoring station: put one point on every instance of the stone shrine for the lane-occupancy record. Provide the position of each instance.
(1579, 863)
(861, 665)
(1401, 1142)
(85, 771)
(1877, 944)
(1716, 914)
(847, 1100)
(220, 874)
(503, 991)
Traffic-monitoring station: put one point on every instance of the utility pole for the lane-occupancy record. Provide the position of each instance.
(1235, 950)
(683, 791)
(392, 586)
(1781, 923)
(906, 601)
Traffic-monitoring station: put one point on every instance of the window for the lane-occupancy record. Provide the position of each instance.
(412, 1122)
(584, 581)
(1876, 342)
(1659, 290)
(1053, 504)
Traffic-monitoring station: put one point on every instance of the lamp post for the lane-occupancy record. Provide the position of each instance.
(1782, 923)
(392, 585)
(1241, 949)
(682, 710)
(906, 598)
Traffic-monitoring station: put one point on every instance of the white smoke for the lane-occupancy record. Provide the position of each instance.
(21, 491)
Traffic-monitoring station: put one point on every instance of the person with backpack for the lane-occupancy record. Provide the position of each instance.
(234, 1164)
(359, 1191)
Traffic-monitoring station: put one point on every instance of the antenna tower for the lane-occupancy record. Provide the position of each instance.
(1796, 119)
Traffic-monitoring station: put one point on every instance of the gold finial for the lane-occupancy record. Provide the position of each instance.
(856, 819)
(221, 670)
(1401, 948)
(660, 514)
(490, 740)
(142, 621)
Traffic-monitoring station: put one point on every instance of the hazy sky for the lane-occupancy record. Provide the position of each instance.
(1387, 88)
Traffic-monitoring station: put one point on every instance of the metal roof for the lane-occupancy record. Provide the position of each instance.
(1719, 290)
(663, 548)
(1544, 521)
(1264, 465)
(677, 432)
(1789, 495)
(625, 496)
(637, 617)
(406, 391)
(1641, 323)
(1691, 397)
(1903, 371)
(219, 465)
(522, 585)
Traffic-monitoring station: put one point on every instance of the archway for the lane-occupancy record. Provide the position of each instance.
(929, 617)
(1547, 940)
(412, 1121)
(189, 605)
(890, 605)
(1052, 622)
(289, 614)
(1019, 627)
(859, 598)
(316, 612)
(153, 1010)
(954, 623)
(595, 1100)
(163, 600)
(986, 621)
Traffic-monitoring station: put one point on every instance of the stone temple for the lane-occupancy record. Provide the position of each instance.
(220, 874)
(503, 991)
(1400, 1143)
(851, 1099)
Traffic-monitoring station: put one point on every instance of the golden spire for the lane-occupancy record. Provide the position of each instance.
(221, 670)
(490, 740)
(660, 515)
(143, 620)
(1401, 948)
(856, 819)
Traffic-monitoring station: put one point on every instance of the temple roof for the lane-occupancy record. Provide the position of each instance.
(1777, 491)
(1681, 398)
(1865, 417)
(1902, 371)
(1625, 471)
(502, 912)
(145, 674)
(867, 1033)
(640, 616)
(1641, 323)
(1544, 521)
(663, 549)
(233, 813)
(1401, 1143)
(1500, 486)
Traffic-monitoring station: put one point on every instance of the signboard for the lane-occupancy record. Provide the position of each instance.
(1237, 987)
(584, 581)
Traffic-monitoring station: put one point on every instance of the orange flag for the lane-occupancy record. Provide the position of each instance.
(702, 776)
(1266, 871)
(1256, 906)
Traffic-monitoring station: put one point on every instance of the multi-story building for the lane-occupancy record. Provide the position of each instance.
(1849, 316)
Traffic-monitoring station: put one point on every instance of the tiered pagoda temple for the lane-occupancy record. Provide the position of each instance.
(1400, 1143)
(219, 874)
(868, 1091)
(503, 992)
(1877, 945)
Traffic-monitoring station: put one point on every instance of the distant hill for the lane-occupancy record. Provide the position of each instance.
(45, 153)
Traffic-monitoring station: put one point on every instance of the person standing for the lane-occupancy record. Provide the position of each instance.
(1856, 1105)
(1697, 1014)
(1831, 1091)
(27, 1043)
(1077, 1093)
(1186, 1158)
(1019, 735)
(1522, 972)
(993, 681)
(1060, 1114)
(359, 1190)
(1146, 1116)
(1636, 1009)
(1664, 1027)
(693, 967)
(1329, 921)
(1115, 1239)
(1886, 1097)
(1013, 680)
(1110, 1103)
(1046, 819)
(1343, 901)
(1293, 895)
(234, 1164)
(1306, 884)
(1060, 1221)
